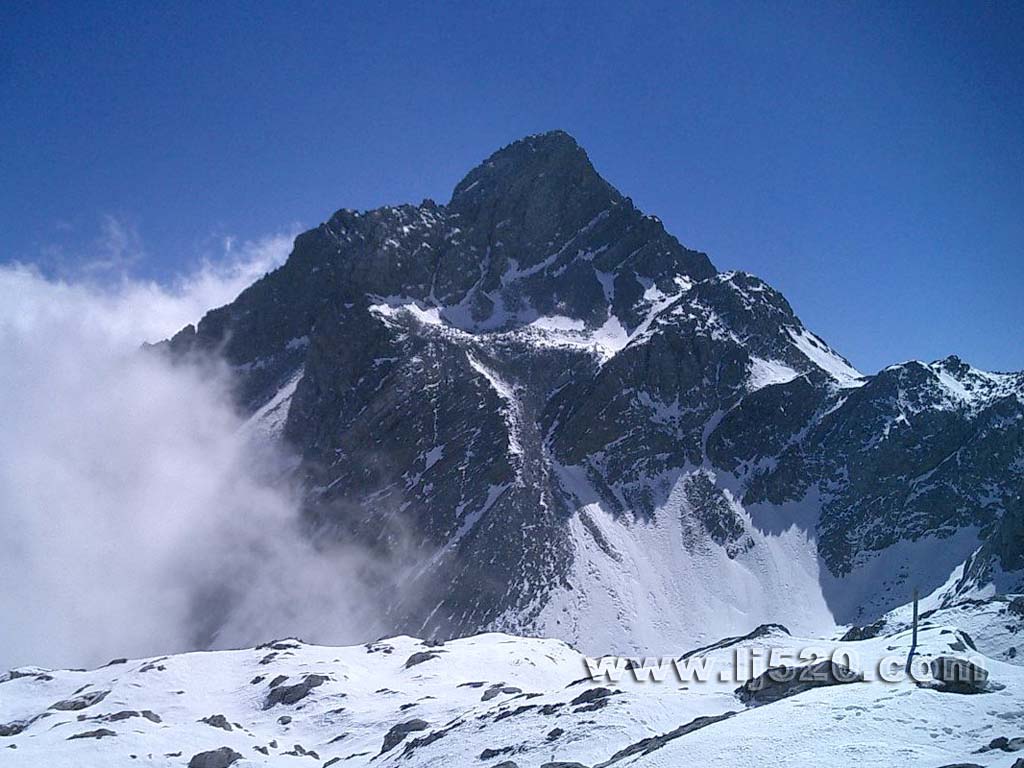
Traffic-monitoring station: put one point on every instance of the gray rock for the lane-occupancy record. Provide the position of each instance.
(291, 694)
(958, 675)
(298, 750)
(654, 743)
(398, 732)
(592, 695)
(14, 728)
(490, 753)
(499, 688)
(82, 701)
(215, 758)
(217, 721)
(782, 682)
(99, 733)
(419, 657)
(1004, 744)
(863, 633)
(122, 715)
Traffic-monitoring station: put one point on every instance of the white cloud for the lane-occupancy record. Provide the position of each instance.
(118, 247)
(126, 311)
(131, 502)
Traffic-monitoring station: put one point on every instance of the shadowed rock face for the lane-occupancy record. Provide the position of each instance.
(442, 367)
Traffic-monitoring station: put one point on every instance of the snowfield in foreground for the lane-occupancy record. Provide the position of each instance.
(498, 700)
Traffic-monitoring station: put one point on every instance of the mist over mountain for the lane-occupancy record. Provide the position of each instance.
(135, 503)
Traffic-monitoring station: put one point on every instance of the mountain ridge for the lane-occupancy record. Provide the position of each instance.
(532, 381)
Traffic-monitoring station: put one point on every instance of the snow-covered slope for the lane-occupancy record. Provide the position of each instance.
(645, 586)
(495, 700)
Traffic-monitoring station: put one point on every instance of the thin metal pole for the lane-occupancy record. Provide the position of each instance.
(913, 637)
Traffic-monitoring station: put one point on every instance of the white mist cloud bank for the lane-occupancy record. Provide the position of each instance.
(129, 497)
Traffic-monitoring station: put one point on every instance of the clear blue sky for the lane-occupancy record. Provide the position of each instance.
(867, 160)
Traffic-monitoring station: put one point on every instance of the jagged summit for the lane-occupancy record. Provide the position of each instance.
(533, 193)
(537, 207)
(537, 172)
(551, 152)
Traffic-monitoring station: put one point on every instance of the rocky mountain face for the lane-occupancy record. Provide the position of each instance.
(573, 425)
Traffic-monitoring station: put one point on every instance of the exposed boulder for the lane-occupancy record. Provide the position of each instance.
(1004, 744)
(215, 758)
(955, 675)
(14, 728)
(217, 721)
(99, 733)
(398, 732)
(290, 694)
(654, 743)
(492, 752)
(782, 682)
(80, 702)
(856, 633)
(288, 644)
(16, 674)
(499, 688)
(125, 714)
(298, 750)
(592, 699)
(419, 657)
